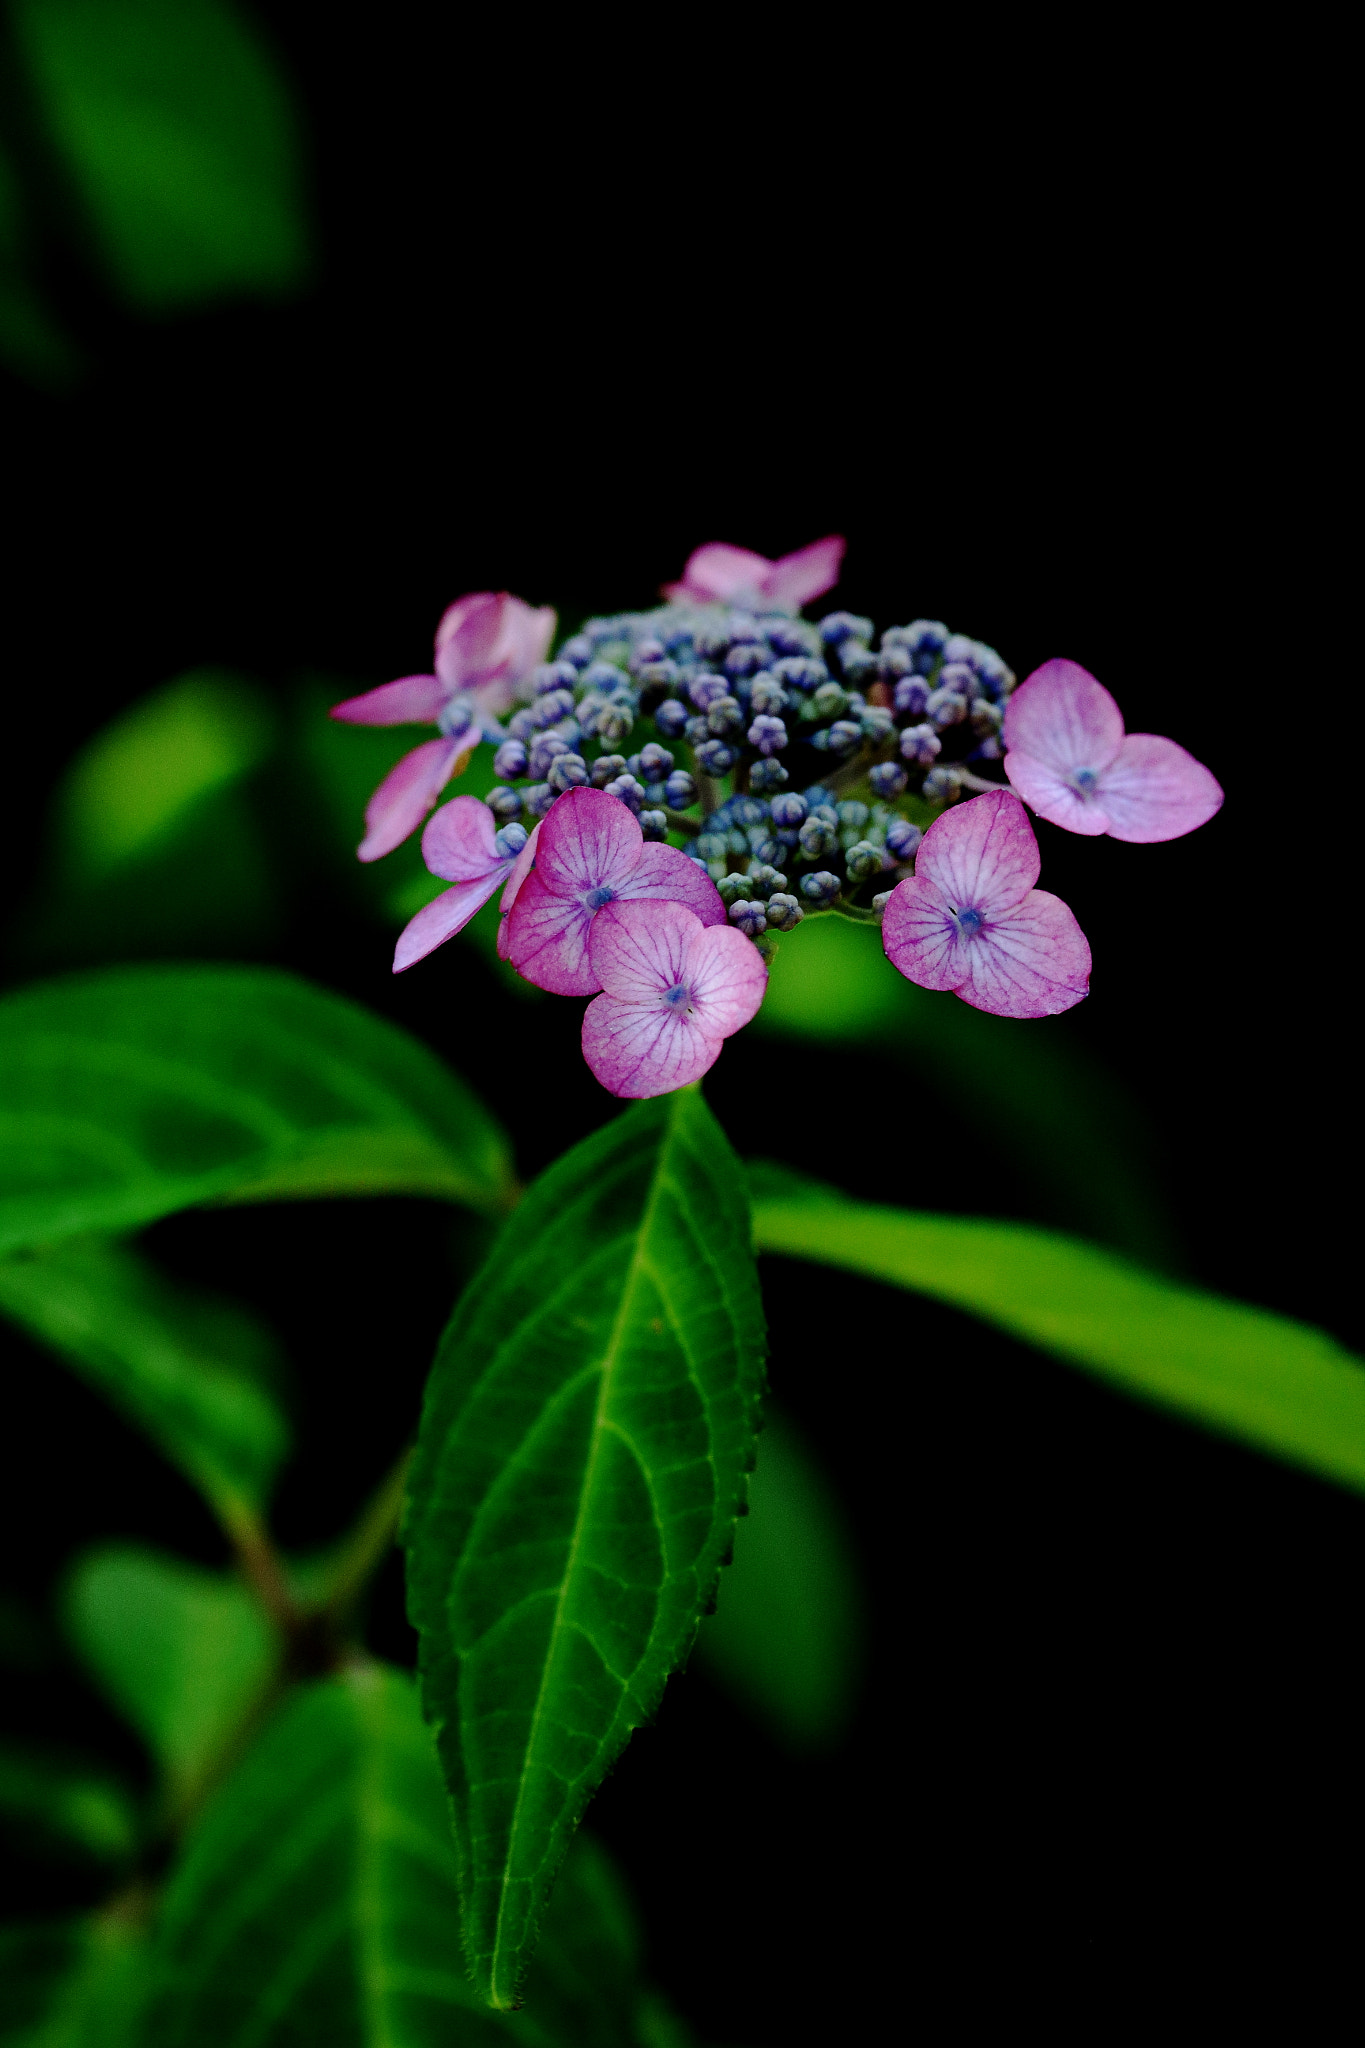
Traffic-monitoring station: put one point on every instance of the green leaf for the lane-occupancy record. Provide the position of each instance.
(57, 1805)
(185, 1654)
(192, 1371)
(177, 125)
(1278, 1385)
(317, 1901)
(1031, 1088)
(133, 1092)
(588, 1425)
(73, 1983)
(786, 1637)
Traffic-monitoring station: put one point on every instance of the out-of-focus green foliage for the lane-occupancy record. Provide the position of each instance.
(74, 1983)
(786, 1637)
(1280, 1386)
(127, 1094)
(32, 339)
(183, 1653)
(587, 1429)
(193, 1371)
(56, 1805)
(175, 125)
(1029, 1087)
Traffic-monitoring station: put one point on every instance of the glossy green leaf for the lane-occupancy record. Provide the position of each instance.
(582, 1457)
(194, 1372)
(787, 1635)
(317, 1901)
(133, 1092)
(185, 1654)
(1030, 1089)
(1281, 1386)
(176, 124)
(73, 1983)
(57, 1805)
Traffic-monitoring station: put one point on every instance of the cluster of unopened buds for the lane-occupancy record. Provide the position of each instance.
(679, 784)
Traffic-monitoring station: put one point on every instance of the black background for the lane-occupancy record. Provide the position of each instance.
(1060, 371)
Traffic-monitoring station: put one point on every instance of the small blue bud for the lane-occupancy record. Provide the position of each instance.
(895, 662)
(799, 672)
(655, 762)
(578, 650)
(821, 888)
(989, 750)
(647, 650)
(902, 838)
(504, 803)
(554, 675)
(544, 749)
(747, 810)
(818, 840)
(841, 737)
(656, 795)
(735, 889)
(628, 790)
(829, 700)
(817, 795)
(567, 771)
(765, 849)
(880, 902)
(657, 679)
(876, 724)
(958, 647)
(671, 717)
(521, 725)
(743, 627)
(455, 718)
(654, 824)
(724, 715)
(841, 626)
(613, 723)
(765, 878)
(711, 845)
(749, 918)
(509, 842)
(859, 664)
(946, 707)
(602, 675)
(737, 841)
(769, 735)
(941, 785)
(852, 813)
(986, 718)
(925, 636)
(606, 768)
(791, 637)
(912, 694)
(766, 775)
(696, 730)
(862, 860)
(510, 760)
(920, 743)
(715, 758)
(789, 809)
(767, 694)
(784, 913)
(548, 710)
(959, 676)
(745, 660)
(680, 791)
(888, 779)
(537, 799)
(705, 689)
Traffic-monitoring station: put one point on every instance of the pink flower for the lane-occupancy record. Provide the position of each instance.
(970, 919)
(460, 845)
(1069, 760)
(673, 989)
(590, 851)
(486, 646)
(718, 572)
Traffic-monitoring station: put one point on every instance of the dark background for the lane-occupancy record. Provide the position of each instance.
(1049, 373)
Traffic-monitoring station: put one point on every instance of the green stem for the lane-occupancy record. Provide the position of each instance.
(369, 1543)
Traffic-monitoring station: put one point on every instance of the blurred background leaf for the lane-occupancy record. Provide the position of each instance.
(73, 1983)
(54, 1804)
(787, 1634)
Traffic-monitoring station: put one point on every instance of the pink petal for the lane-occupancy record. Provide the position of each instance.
(405, 796)
(458, 842)
(521, 868)
(467, 638)
(1034, 963)
(1155, 790)
(547, 938)
(638, 1049)
(440, 920)
(920, 937)
(1053, 798)
(589, 840)
(800, 578)
(727, 978)
(720, 572)
(1065, 719)
(664, 872)
(412, 700)
(981, 855)
(639, 950)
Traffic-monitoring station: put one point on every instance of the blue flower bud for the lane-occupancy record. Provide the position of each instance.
(859, 664)
(749, 918)
(986, 718)
(995, 673)
(680, 791)
(958, 647)
(784, 912)
(911, 696)
(510, 760)
(628, 790)
(646, 650)
(548, 710)
(455, 718)
(942, 785)
(705, 689)
(888, 779)
(840, 738)
(817, 795)
(798, 672)
(613, 723)
(657, 679)
(895, 662)
(820, 889)
(711, 845)
(863, 859)
(654, 824)
(578, 650)
(880, 902)
(818, 840)
(735, 889)
(765, 878)
(537, 799)
(789, 809)
(544, 749)
(696, 731)
(946, 707)
(554, 675)
(769, 735)
(737, 841)
(671, 717)
(655, 762)
(791, 637)
(920, 743)
(745, 660)
(567, 771)
(509, 842)
(829, 700)
(747, 810)
(606, 768)
(715, 758)
(504, 803)
(724, 716)
(765, 775)
(602, 675)
(925, 636)
(678, 640)
(521, 725)
(742, 627)
(767, 694)
(842, 626)
(902, 838)
(852, 813)
(876, 725)
(959, 676)
(763, 847)
(989, 750)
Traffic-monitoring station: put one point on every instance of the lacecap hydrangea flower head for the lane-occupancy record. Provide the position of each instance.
(678, 786)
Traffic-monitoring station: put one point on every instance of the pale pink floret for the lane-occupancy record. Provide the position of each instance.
(486, 646)
(591, 852)
(1069, 759)
(970, 919)
(718, 573)
(458, 845)
(673, 990)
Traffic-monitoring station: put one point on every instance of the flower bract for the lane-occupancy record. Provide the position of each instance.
(673, 989)
(462, 844)
(719, 573)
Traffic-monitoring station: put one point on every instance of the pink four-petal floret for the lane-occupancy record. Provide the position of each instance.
(1068, 757)
(970, 919)
(486, 646)
(459, 845)
(590, 852)
(673, 990)
(719, 573)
